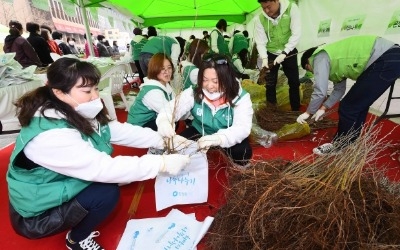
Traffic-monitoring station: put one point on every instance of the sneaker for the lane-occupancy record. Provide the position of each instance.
(87, 243)
(155, 151)
(325, 149)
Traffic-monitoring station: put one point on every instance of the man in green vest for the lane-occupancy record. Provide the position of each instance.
(373, 62)
(277, 33)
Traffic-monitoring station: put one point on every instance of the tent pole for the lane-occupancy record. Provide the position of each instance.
(87, 28)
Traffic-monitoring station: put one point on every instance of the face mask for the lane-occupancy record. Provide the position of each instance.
(89, 109)
(71, 43)
(213, 96)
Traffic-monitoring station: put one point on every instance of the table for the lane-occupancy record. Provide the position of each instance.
(8, 95)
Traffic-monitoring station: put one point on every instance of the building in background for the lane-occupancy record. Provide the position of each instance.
(66, 17)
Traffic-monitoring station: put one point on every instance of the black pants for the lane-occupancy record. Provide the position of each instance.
(370, 85)
(240, 153)
(291, 70)
(139, 69)
(80, 215)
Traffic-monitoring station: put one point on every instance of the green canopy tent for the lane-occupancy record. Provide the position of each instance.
(175, 14)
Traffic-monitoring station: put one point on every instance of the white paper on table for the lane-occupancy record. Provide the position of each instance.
(175, 231)
(188, 187)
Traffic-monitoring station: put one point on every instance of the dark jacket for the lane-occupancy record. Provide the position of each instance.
(25, 54)
(64, 48)
(41, 47)
(103, 51)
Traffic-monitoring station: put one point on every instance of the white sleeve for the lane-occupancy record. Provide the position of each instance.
(178, 107)
(295, 28)
(155, 100)
(214, 41)
(241, 126)
(65, 152)
(193, 75)
(175, 51)
(230, 45)
(260, 38)
(126, 134)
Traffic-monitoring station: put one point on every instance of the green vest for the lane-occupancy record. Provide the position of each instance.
(278, 35)
(239, 42)
(34, 191)
(159, 44)
(136, 48)
(187, 83)
(203, 117)
(139, 114)
(348, 57)
(221, 44)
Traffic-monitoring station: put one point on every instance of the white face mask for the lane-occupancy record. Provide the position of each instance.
(89, 109)
(72, 43)
(213, 96)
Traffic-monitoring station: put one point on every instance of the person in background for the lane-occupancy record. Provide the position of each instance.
(217, 41)
(24, 52)
(50, 191)
(115, 48)
(137, 44)
(154, 93)
(222, 111)
(71, 45)
(101, 47)
(239, 61)
(38, 43)
(372, 61)
(109, 48)
(238, 42)
(159, 44)
(277, 33)
(87, 50)
(206, 36)
(190, 67)
(182, 43)
(46, 34)
(186, 48)
(57, 36)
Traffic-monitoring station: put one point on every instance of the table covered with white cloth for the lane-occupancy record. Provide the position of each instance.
(8, 95)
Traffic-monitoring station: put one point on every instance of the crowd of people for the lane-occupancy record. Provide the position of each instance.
(42, 41)
(49, 192)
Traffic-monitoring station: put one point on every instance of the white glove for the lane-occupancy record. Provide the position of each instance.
(279, 59)
(207, 141)
(166, 129)
(179, 142)
(174, 163)
(265, 63)
(302, 118)
(318, 115)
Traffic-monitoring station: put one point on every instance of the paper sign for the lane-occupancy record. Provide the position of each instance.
(188, 187)
(175, 231)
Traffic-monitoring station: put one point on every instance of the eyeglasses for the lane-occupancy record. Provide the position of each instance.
(166, 69)
(217, 59)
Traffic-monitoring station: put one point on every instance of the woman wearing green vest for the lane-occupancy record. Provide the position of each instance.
(277, 33)
(190, 67)
(217, 40)
(154, 93)
(222, 111)
(373, 62)
(61, 175)
(137, 44)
